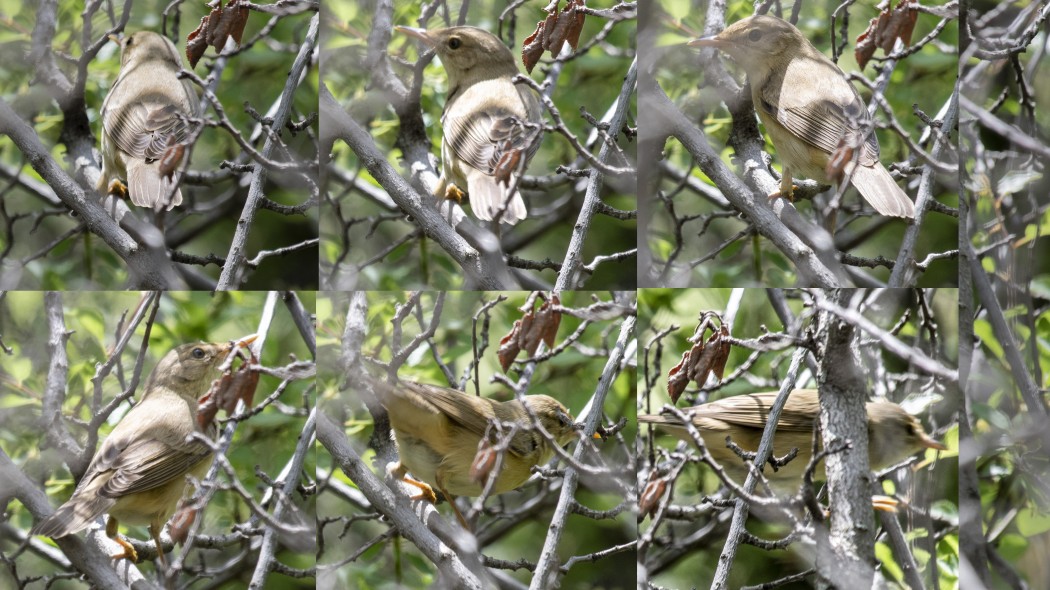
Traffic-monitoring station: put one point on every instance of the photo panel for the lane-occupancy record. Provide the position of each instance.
(843, 371)
(761, 122)
(513, 411)
(1004, 148)
(158, 145)
(479, 145)
(172, 420)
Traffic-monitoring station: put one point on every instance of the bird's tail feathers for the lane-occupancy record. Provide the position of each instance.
(488, 197)
(73, 516)
(148, 188)
(880, 191)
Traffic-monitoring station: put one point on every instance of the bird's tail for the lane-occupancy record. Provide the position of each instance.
(148, 188)
(487, 198)
(881, 192)
(73, 516)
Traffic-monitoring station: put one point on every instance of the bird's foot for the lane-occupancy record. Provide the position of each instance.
(453, 193)
(790, 196)
(129, 552)
(425, 491)
(117, 189)
(884, 504)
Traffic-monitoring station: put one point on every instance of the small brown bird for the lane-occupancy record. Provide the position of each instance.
(144, 119)
(490, 125)
(439, 432)
(893, 434)
(811, 112)
(138, 475)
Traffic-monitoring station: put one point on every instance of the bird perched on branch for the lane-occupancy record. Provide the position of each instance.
(145, 122)
(451, 440)
(490, 126)
(893, 433)
(815, 118)
(138, 475)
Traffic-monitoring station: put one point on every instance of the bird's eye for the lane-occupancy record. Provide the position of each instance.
(198, 353)
(754, 35)
(454, 43)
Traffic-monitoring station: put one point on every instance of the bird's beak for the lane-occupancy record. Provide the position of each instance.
(420, 34)
(710, 41)
(114, 38)
(929, 443)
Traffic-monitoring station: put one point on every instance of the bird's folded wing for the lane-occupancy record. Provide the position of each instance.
(492, 141)
(823, 123)
(749, 411)
(469, 412)
(144, 463)
(743, 416)
(143, 130)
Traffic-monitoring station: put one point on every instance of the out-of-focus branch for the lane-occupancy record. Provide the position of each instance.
(88, 559)
(816, 267)
(547, 566)
(449, 562)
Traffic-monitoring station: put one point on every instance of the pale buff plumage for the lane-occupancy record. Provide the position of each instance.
(143, 115)
(490, 125)
(893, 434)
(807, 106)
(438, 429)
(138, 474)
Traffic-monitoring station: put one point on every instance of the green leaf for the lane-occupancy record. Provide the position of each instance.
(1031, 522)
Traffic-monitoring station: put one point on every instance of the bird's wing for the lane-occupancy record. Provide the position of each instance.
(752, 410)
(493, 141)
(534, 112)
(474, 414)
(419, 402)
(824, 122)
(143, 462)
(144, 130)
(466, 411)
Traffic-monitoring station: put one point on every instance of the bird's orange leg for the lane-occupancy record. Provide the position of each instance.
(117, 189)
(154, 531)
(884, 503)
(129, 551)
(399, 472)
(454, 193)
(459, 515)
(451, 500)
(426, 492)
